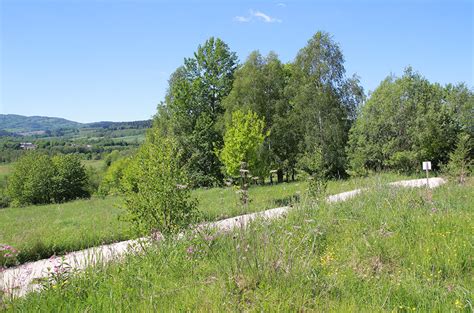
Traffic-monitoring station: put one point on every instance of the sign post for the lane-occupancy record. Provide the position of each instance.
(427, 168)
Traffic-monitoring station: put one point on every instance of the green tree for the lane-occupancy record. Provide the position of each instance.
(31, 181)
(324, 100)
(70, 180)
(460, 160)
(461, 100)
(406, 121)
(155, 187)
(259, 86)
(111, 183)
(194, 105)
(242, 142)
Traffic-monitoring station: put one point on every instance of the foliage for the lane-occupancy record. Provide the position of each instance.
(111, 183)
(242, 142)
(40, 179)
(460, 160)
(111, 157)
(324, 101)
(4, 198)
(70, 181)
(259, 86)
(156, 195)
(406, 121)
(194, 105)
(59, 276)
(313, 165)
(31, 181)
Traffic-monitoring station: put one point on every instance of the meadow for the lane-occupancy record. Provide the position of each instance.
(386, 250)
(41, 231)
(5, 170)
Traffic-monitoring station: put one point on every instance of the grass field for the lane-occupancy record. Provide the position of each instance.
(96, 164)
(393, 250)
(41, 231)
(5, 170)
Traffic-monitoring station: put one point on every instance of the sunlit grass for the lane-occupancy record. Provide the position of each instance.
(389, 249)
(41, 231)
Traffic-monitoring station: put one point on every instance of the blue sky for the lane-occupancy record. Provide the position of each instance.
(110, 60)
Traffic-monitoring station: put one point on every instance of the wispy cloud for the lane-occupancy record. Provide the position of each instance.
(264, 17)
(242, 19)
(257, 15)
(281, 4)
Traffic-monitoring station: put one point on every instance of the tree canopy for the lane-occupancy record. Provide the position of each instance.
(406, 120)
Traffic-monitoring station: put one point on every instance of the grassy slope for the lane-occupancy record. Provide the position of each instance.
(41, 231)
(385, 250)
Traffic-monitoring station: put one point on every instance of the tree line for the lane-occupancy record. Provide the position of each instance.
(305, 116)
(316, 119)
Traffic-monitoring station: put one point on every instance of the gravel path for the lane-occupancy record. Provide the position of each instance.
(22, 279)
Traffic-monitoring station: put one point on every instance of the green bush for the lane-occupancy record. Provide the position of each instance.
(70, 180)
(40, 179)
(31, 181)
(460, 161)
(111, 182)
(155, 188)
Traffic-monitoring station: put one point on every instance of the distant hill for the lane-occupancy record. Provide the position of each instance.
(19, 124)
(121, 125)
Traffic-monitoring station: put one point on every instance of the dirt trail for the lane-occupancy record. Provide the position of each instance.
(20, 280)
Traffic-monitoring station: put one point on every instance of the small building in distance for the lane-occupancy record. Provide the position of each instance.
(28, 146)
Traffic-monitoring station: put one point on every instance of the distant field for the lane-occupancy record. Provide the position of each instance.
(40, 231)
(96, 164)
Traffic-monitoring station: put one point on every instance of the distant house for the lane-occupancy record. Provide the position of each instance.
(28, 146)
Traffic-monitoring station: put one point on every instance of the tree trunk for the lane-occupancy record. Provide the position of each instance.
(280, 175)
(293, 174)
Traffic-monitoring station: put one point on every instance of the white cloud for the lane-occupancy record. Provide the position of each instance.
(264, 17)
(256, 15)
(242, 19)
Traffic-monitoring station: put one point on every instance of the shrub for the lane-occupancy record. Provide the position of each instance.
(460, 162)
(242, 142)
(111, 182)
(70, 180)
(31, 181)
(155, 188)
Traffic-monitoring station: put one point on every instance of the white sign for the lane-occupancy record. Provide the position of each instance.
(427, 165)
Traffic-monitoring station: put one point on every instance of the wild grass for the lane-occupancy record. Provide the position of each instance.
(5, 170)
(389, 249)
(41, 231)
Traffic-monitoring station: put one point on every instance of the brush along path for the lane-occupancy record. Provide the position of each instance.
(22, 279)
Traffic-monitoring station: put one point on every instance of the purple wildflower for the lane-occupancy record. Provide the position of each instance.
(190, 250)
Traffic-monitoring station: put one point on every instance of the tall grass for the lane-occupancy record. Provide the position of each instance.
(388, 249)
(41, 231)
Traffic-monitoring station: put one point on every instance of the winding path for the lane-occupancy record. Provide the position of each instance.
(20, 280)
